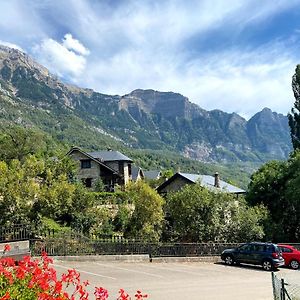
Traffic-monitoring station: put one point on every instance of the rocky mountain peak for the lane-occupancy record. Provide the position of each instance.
(146, 119)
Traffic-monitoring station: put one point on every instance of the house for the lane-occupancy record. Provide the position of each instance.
(112, 167)
(179, 180)
(152, 174)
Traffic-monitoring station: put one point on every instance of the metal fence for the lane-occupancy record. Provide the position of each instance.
(284, 289)
(78, 245)
(16, 232)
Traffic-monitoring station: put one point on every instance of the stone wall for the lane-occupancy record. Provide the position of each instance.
(175, 185)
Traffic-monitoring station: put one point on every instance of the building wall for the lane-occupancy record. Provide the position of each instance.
(127, 177)
(93, 172)
(124, 170)
(175, 185)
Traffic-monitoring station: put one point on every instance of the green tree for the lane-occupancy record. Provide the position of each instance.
(18, 142)
(276, 186)
(196, 214)
(147, 218)
(294, 116)
(18, 189)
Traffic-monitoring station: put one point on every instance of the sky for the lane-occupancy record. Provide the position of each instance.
(233, 55)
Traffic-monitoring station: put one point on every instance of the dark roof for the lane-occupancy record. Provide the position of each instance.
(109, 155)
(205, 181)
(152, 174)
(135, 171)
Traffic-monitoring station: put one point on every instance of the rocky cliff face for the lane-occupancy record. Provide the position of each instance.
(29, 94)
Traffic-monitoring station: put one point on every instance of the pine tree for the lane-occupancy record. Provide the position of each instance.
(294, 116)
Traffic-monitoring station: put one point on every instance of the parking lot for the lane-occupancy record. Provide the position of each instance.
(177, 280)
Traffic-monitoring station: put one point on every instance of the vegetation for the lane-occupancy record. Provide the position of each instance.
(294, 116)
(147, 218)
(38, 185)
(276, 185)
(196, 214)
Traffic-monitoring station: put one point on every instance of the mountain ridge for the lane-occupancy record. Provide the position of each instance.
(145, 119)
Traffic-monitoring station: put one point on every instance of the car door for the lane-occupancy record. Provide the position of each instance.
(287, 254)
(244, 254)
(258, 254)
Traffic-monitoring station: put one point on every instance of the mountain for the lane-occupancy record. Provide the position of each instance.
(142, 119)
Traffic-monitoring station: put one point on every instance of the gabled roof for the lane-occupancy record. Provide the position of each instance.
(93, 158)
(109, 155)
(135, 172)
(152, 174)
(205, 181)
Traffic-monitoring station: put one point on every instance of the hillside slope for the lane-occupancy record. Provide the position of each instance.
(142, 119)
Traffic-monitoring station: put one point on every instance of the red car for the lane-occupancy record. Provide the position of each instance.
(291, 256)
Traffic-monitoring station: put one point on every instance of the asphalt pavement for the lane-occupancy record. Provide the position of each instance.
(178, 280)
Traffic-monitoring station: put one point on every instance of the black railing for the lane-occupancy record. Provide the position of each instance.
(17, 232)
(56, 242)
(84, 246)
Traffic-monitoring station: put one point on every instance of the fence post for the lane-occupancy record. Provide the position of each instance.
(282, 291)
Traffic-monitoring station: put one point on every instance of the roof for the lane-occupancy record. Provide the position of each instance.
(109, 155)
(152, 174)
(205, 181)
(135, 172)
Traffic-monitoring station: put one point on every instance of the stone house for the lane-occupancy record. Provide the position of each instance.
(179, 180)
(111, 167)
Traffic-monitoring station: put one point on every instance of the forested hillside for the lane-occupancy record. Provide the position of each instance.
(157, 129)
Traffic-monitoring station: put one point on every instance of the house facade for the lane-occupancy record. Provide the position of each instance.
(179, 180)
(111, 167)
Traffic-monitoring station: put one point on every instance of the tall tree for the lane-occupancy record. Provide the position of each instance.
(294, 116)
(148, 217)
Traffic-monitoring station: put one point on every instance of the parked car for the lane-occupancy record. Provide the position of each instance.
(267, 255)
(291, 256)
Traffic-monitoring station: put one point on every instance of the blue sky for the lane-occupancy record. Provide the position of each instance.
(237, 56)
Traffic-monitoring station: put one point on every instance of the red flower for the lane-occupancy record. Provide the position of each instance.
(123, 295)
(139, 295)
(7, 248)
(101, 293)
(5, 297)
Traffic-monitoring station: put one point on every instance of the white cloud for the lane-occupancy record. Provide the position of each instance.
(11, 45)
(72, 44)
(59, 59)
(124, 45)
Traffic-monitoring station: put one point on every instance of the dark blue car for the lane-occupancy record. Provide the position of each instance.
(267, 255)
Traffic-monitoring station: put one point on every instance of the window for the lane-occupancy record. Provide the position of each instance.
(87, 182)
(285, 250)
(244, 248)
(129, 170)
(85, 164)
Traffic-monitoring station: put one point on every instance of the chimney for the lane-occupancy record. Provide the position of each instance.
(217, 180)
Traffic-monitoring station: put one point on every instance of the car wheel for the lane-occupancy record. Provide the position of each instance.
(267, 265)
(229, 260)
(294, 264)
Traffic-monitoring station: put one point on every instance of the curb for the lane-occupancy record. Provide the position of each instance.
(137, 258)
(204, 259)
(110, 258)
